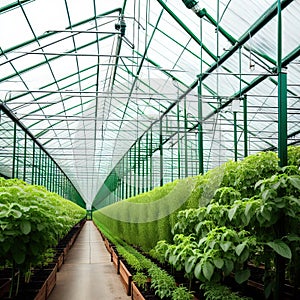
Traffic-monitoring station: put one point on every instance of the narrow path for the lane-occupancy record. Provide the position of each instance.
(87, 273)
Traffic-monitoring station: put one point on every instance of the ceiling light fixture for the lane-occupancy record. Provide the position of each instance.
(194, 6)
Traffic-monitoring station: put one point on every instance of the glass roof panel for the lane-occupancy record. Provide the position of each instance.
(87, 93)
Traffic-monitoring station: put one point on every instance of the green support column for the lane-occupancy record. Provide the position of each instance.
(235, 141)
(178, 141)
(40, 167)
(161, 157)
(48, 173)
(25, 157)
(280, 262)
(200, 130)
(33, 163)
(144, 159)
(172, 163)
(282, 118)
(127, 175)
(17, 159)
(139, 166)
(14, 152)
(151, 161)
(123, 179)
(147, 162)
(245, 111)
(185, 140)
(135, 165)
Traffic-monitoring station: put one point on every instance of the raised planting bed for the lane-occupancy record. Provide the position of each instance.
(126, 278)
(51, 281)
(5, 284)
(136, 294)
(59, 258)
(115, 260)
(107, 245)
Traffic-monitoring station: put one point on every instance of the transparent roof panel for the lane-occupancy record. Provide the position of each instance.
(88, 92)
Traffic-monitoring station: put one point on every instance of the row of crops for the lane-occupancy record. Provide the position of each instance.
(224, 223)
(32, 220)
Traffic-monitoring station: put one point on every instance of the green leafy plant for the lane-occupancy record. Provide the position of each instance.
(182, 293)
(215, 291)
(140, 280)
(32, 220)
(161, 282)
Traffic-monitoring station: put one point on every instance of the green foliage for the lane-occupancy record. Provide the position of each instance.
(215, 291)
(182, 293)
(32, 220)
(211, 242)
(140, 280)
(162, 282)
(253, 168)
(294, 156)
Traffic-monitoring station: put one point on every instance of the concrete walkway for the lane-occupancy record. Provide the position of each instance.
(87, 273)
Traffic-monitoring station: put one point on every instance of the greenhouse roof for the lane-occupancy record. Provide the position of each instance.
(88, 78)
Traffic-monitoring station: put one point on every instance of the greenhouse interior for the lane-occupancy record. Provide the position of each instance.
(150, 149)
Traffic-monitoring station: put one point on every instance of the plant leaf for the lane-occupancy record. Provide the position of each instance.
(208, 270)
(239, 248)
(225, 245)
(295, 181)
(219, 262)
(242, 276)
(18, 256)
(190, 264)
(25, 227)
(197, 270)
(228, 267)
(293, 237)
(232, 212)
(281, 248)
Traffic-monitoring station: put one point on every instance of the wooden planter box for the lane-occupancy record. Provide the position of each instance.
(5, 284)
(135, 293)
(51, 281)
(126, 278)
(115, 260)
(42, 293)
(107, 246)
(60, 260)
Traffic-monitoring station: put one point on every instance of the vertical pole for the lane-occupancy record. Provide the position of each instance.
(147, 162)
(245, 110)
(178, 140)
(14, 152)
(123, 178)
(144, 159)
(17, 158)
(200, 117)
(33, 162)
(134, 183)
(200, 129)
(25, 157)
(40, 168)
(185, 141)
(161, 153)
(235, 135)
(130, 173)
(139, 166)
(172, 163)
(151, 162)
(282, 151)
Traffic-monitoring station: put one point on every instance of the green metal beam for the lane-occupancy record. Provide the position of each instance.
(260, 23)
(14, 5)
(53, 58)
(187, 30)
(118, 50)
(10, 115)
